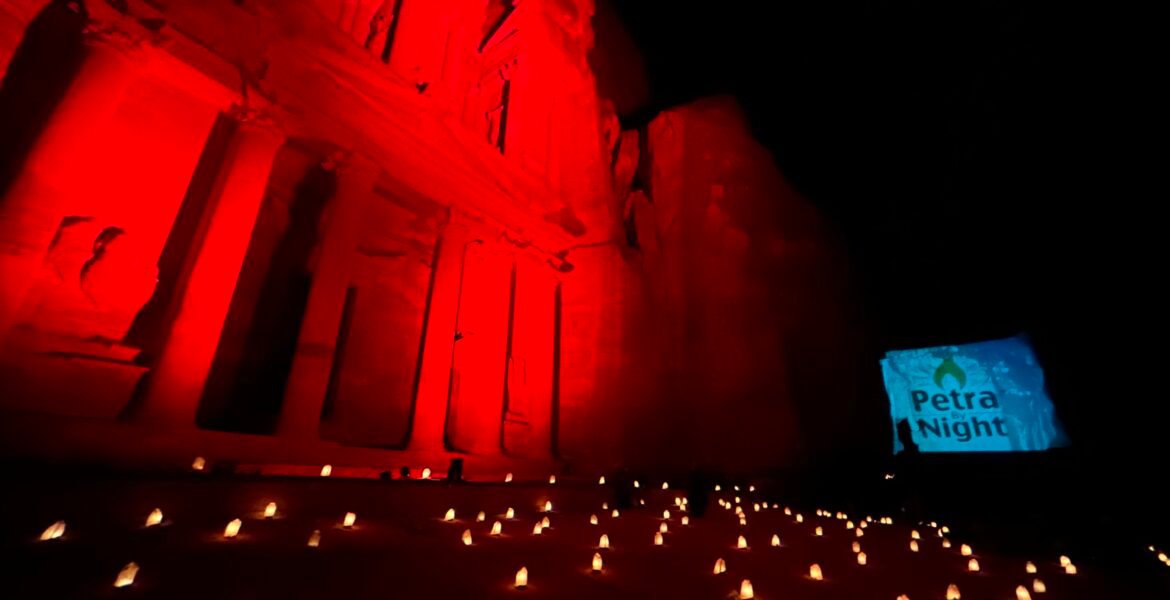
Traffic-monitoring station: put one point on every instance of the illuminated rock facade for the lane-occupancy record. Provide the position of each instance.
(376, 232)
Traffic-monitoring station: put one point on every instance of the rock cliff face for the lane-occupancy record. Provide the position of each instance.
(722, 312)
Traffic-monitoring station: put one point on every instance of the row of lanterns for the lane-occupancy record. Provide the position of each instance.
(128, 573)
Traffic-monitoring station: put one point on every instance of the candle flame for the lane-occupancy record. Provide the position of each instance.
(596, 562)
(126, 575)
(154, 518)
(326, 470)
(745, 590)
(522, 578)
(270, 510)
(814, 572)
(232, 529)
(497, 528)
(349, 520)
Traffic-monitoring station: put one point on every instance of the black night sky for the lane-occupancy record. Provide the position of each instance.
(961, 152)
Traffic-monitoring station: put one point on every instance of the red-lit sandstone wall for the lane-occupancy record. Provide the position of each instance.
(369, 232)
(720, 320)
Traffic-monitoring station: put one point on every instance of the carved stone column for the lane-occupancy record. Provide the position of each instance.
(427, 429)
(52, 180)
(175, 385)
(308, 382)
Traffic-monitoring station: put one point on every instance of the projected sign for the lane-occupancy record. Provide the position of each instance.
(982, 397)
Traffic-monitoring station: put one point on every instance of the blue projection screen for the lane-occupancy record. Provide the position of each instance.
(981, 397)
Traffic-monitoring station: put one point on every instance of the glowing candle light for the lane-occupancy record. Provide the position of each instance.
(636, 484)
(592, 519)
(615, 513)
(903, 597)
(859, 532)
(717, 488)
(742, 522)
(665, 486)
(756, 507)
(657, 538)
(686, 520)
(552, 479)
(349, 520)
(1065, 561)
(548, 506)
(973, 565)
(914, 535)
(965, 550)
(508, 478)
(545, 523)
(1162, 557)
(1022, 593)
(933, 524)
(737, 499)
(601, 480)
(537, 529)
(799, 518)
(198, 464)
(735, 487)
(326, 470)
(450, 516)
(426, 473)
(848, 524)
(741, 543)
(480, 517)
(914, 545)
(787, 511)
(603, 542)
(605, 506)
(126, 575)
(765, 506)
(154, 518)
(666, 514)
(522, 578)
(1038, 586)
(497, 528)
(1070, 569)
(1029, 567)
(596, 562)
(752, 488)
(642, 501)
(466, 537)
(814, 572)
(953, 592)
(662, 528)
(945, 529)
(861, 558)
(315, 538)
(946, 543)
(745, 590)
(819, 532)
(720, 566)
(775, 540)
(856, 547)
(232, 529)
(270, 510)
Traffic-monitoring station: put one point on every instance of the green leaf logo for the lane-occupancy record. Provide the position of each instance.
(948, 367)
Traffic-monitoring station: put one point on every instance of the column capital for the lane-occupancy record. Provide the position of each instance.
(102, 34)
(259, 117)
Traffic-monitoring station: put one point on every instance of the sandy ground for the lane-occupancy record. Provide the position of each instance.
(401, 548)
